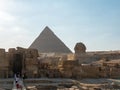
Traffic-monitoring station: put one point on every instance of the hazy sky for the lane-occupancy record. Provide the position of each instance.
(96, 23)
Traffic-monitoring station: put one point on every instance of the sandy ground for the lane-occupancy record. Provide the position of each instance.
(85, 84)
(103, 84)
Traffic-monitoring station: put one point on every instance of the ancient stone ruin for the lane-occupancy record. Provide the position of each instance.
(87, 65)
(48, 57)
(80, 48)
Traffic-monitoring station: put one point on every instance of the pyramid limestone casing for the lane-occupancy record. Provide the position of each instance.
(48, 42)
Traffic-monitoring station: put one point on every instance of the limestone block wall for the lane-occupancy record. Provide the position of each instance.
(88, 71)
(31, 67)
(31, 53)
(2, 52)
(110, 56)
(4, 64)
(48, 67)
(115, 72)
(30, 61)
(92, 57)
(67, 68)
(3, 61)
(86, 58)
(56, 67)
(73, 69)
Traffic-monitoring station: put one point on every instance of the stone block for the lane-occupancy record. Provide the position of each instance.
(12, 50)
(31, 68)
(2, 53)
(31, 61)
(31, 53)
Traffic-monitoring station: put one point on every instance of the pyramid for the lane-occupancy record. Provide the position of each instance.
(48, 42)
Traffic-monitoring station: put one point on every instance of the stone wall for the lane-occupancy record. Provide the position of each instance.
(90, 57)
(4, 64)
(67, 66)
(29, 61)
(72, 69)
(3, 60)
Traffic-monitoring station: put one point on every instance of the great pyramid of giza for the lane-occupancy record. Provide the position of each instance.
(48, 42)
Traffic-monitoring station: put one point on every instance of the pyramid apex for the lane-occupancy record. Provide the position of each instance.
(47, 28)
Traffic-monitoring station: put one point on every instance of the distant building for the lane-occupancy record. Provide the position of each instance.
(48, 42)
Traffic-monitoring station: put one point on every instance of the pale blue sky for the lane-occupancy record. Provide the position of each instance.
(96, 23)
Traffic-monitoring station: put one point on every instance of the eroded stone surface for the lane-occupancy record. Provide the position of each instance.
(77, 66)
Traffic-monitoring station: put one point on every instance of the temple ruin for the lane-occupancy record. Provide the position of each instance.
(53, 59)
(38, 63)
